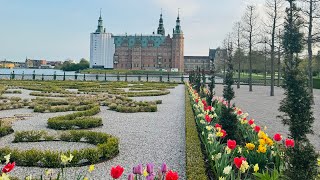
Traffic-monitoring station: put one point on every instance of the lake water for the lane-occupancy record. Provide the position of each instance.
(48, 74)
(37, 71)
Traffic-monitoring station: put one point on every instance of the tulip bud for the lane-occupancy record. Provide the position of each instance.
(131, 177)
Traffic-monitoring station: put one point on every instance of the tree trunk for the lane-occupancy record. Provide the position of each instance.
(265, 63)
(272, 49)
(279, 60)
(310, 74)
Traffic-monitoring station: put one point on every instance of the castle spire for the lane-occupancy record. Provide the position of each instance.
(161, 30)
(100, 24)
(178, 26)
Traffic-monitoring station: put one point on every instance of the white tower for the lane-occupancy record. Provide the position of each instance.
(102, 48)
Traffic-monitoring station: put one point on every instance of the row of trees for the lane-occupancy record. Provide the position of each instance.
(258, 38)
(69, 66)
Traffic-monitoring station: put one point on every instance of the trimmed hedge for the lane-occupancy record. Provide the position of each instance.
(195, 165)
(77, 120)
(107, 146)
(51, 94)
(316, 83)
(5, 130)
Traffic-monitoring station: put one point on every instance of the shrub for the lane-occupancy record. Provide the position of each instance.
(29, 136)
(77, 120)
(195, 165)
(5, 130)
(107, 147)
(113, 106)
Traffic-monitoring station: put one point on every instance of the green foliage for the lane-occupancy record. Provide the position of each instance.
(5, 130)
(228, 92)
(268, 175)
(211, 89)
(301, 158)
(29, 136)
(195, 165)
(107, 147)
(83, 64)
(229, 122)
(316, 83)
(296, 106)
(77, 120)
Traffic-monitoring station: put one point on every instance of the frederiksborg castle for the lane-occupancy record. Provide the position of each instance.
(138, 52)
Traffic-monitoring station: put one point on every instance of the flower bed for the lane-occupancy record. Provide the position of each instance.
(107, 147)
(256, 154)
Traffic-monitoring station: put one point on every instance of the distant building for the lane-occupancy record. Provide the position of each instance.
(32, 63)
(7, 64)
(102, 48)
(54, 63)
(203, 62)
(193, 62)
(220, 57)
(138, 52)
(19, 64)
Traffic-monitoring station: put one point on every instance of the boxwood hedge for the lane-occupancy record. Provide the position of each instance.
(107, 146)
(77, 120)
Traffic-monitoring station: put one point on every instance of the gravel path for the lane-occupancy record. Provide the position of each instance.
(264, 109)
(144, 137)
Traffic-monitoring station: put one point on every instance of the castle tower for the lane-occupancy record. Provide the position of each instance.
(161, 30)
(102, 47)
(178, 47)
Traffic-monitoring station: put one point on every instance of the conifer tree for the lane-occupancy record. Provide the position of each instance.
(297, 104)
(229, 119)
(211, 85)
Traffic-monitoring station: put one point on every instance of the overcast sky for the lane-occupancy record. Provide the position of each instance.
(60, 29)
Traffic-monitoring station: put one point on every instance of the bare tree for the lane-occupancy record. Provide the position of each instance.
(273, 9)
(279, 38)
(237, 33)
(311, 13)
(249, 27)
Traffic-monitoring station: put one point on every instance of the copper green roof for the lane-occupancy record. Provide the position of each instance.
(132, 40)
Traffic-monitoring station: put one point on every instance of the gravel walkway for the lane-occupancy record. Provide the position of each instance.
(144, 137)
(264, 109)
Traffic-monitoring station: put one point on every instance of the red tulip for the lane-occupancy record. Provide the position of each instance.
(218, 126)
(231, 144)
(239, 112)
(116, 172)
(289, 143)
(197, 100)
(238, 161)
(172, 175)
(257, 128)
(224, 133)
(251, 121)
(208, 118)
(277, 137)
(204, 102)
(8, 167)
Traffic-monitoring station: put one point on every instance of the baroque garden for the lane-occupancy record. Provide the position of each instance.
(216, 123)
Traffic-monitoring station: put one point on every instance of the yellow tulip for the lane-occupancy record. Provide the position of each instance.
(7, 158)
(145, 173)
(250, 146)
(262, 149)
(91, 168)
(256, 168)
